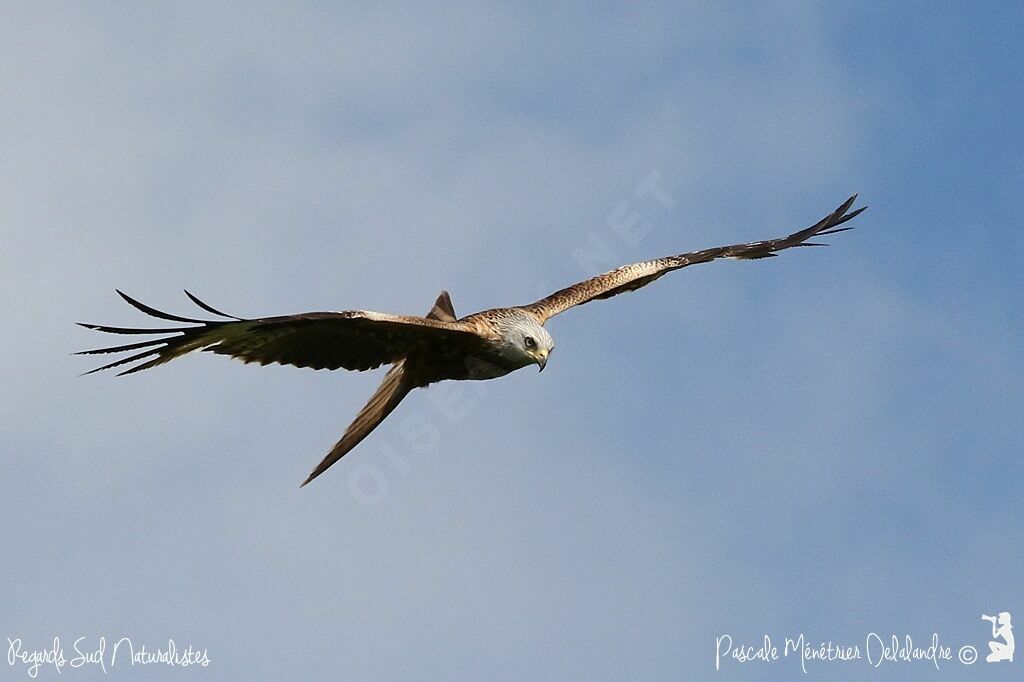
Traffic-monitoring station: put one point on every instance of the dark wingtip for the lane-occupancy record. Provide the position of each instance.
(132, 358)
(207, 307)
(153, 312)
(840, 216)
(834, 230)
(845, 206)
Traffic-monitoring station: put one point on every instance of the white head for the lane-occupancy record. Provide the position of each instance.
(524, 340)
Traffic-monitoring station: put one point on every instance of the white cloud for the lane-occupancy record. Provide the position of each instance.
(717, 434)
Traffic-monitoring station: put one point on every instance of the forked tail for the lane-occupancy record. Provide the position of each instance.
(385, 399)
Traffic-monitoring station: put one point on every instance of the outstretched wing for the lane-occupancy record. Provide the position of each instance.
(631, 277)
(352, 339)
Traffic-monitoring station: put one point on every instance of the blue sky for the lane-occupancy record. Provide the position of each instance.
(825, 443)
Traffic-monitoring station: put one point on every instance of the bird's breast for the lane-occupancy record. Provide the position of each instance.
(480, 369)
(454, 363)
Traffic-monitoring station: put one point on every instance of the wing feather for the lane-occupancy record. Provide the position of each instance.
(632, 277)
(352, 339)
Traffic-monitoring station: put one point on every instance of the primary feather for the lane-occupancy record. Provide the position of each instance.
(420, 350)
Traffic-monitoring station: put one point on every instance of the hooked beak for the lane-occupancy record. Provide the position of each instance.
(542, 360)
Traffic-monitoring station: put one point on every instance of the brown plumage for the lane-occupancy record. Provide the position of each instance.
(396, 385)
(632, 277)
(421, 350)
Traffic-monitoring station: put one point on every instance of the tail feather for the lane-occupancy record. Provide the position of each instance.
(384, 400)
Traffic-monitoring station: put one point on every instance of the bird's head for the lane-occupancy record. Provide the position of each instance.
(526, 342)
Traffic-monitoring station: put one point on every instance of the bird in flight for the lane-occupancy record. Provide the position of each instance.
(421, 350)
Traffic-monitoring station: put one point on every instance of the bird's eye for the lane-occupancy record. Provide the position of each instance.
(530, 343)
